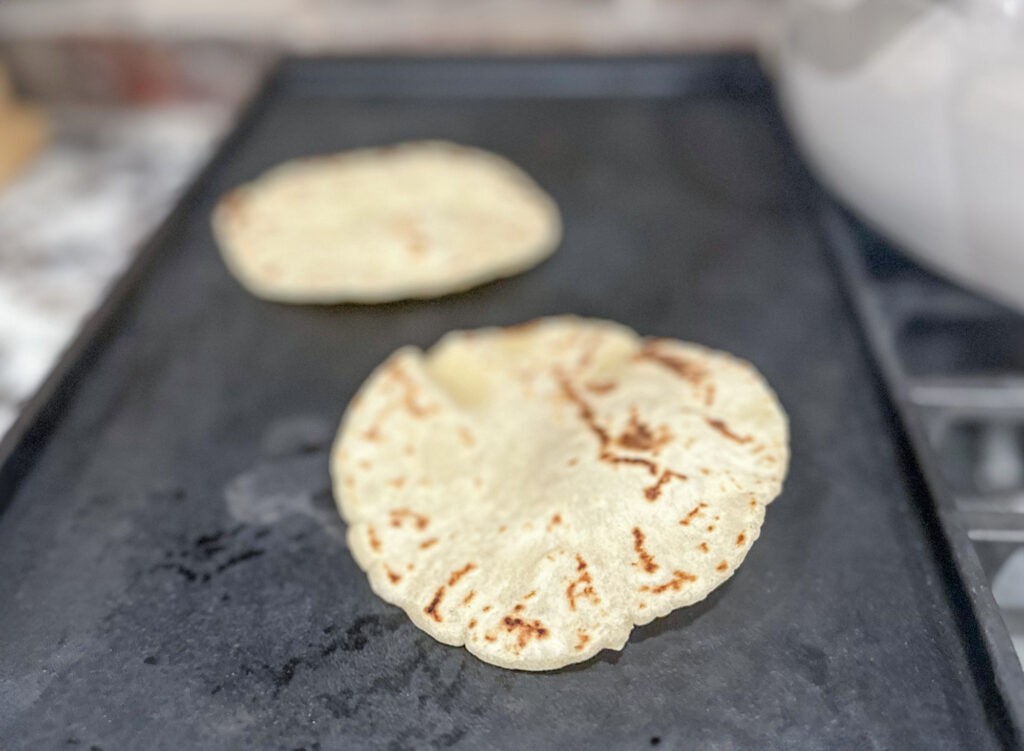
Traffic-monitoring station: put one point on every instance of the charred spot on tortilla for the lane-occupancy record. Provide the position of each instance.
(540, 519)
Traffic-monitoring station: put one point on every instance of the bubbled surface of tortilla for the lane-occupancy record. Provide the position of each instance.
(535, 492)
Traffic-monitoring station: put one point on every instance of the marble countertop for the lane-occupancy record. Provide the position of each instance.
(70, 222)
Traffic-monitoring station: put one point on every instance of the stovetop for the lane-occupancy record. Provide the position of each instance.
(960, 361)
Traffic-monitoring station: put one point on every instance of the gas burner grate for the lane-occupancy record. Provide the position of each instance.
(956, 361)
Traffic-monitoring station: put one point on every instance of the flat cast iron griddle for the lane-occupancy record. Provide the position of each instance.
(174, 574)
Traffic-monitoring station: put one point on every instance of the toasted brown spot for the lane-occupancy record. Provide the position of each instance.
(705, 471)
(349, 481)
(709, 395)
(685, 521)
(398, 516)
(587, 355)
(586, 585)
(431, 609)
(398, 482)
(722, 566)
(470, 596)
(486, 608)
(472, 623)
(585, 412)
(373, 434)
(417, 410)
(640, 437)
(427, 543)
(685, 369)
(409, 450)
(587, 415)
(711, 528)
(580, 563)
(555, 521)
(414, 238)
(524, 630)
(646, 560)
(573, 462)
(489, 637)
(652, 492)
(519, 607)
(409, 397)
(703, 547)
(371, 533)
(503, 527)
(601, 388)
(753, 503)
(679, 578)
(395, 578)
(364, 464)
(613, 459)
(582, 639)
(456, 575)
(741, 538)
(467, 437)
(722, 428)
(757, 449)
(532, 593)
(409, 567)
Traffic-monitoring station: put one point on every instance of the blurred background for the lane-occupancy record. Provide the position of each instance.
(108, 107)
(910, 111)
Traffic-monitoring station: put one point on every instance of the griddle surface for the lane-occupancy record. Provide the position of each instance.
(174, 572)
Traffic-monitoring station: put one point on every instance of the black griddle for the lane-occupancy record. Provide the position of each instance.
(174, 574)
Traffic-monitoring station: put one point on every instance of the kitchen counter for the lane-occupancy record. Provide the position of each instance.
(70, 223)
(407, 25)
(128, 50)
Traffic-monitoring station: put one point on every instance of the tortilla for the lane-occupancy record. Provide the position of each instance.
(415, 220)
(535, 492)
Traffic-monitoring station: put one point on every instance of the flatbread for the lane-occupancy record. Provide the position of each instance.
(415, 220)
(534, 492)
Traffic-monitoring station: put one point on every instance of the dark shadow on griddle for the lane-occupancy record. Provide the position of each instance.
(674, 621)
(682, 618)
(499, 285)
(605, 655)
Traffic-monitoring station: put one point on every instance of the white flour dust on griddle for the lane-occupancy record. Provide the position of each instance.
(290, 477)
